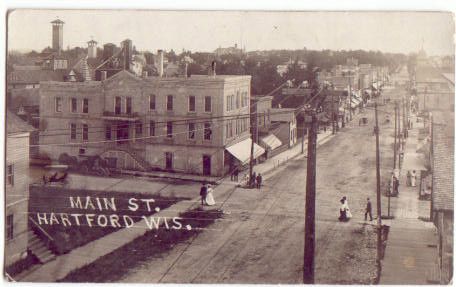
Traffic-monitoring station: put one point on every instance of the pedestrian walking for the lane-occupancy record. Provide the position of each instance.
(395, 185)
(203, 193)
(413, 178)
(210, 196)
(236, 174)
(368, 210)
(409, 178)
(342, 211)
(259, 179)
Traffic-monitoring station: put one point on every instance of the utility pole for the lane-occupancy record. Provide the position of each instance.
(404, 123)
(379, 204)
(252, 132)
(309, 236)
(395, 135)
(350, 94)
(333, 115)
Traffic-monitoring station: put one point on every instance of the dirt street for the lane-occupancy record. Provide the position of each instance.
(260, 239)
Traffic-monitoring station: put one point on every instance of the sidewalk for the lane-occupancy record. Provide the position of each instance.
(411, 246)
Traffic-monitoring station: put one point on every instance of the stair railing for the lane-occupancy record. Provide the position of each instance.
(48, 240)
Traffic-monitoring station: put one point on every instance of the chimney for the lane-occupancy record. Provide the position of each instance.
(160, 63)
(212, 71)
(104, 75)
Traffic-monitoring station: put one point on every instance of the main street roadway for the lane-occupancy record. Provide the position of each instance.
(260, 239)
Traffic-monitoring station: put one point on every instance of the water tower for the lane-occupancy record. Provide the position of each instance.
(92, 49)
(57, 35)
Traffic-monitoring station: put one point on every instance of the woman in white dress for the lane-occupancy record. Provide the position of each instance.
(347, 209)
(210, 196)
(413, 178)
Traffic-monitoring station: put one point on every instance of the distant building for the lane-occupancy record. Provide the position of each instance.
(92, 49)
(228, 51)
(151, 123)
(286, 127)
(16, 188)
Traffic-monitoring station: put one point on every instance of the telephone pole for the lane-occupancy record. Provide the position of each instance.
(379, 204)
(333, 115)
(395, 135)
(350, 94)
(252, 133)
(309, 236)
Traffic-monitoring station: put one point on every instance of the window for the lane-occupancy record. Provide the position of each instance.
(128, 105)
(169, 129)
(74, 105)
(85, 132)
(191, 104)
(85, 106)
(152, 128)
(191, 131)
(169, 102)
(152, 102)
(138, 130)
(108, 132)
(82, 151)
(58, 105)
(207, 104)
(10, 174)
(9, 227)
(73, 131)
(118, 106)
(207, 131)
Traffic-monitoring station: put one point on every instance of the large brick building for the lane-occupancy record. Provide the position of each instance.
(198, 124)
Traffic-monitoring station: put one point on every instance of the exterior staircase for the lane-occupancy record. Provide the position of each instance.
(142, 163)
(39, 249)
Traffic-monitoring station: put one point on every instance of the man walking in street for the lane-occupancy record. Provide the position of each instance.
(368, 210)
(259, 179)
(203, 193)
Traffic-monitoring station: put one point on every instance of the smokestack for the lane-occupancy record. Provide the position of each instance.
(160, 63)
(104, 75)
(212, 71)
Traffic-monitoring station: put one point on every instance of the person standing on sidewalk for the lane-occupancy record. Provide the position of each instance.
(203, 193)
(368, 210)
(236, 174)
(259, 179)
(413, 178)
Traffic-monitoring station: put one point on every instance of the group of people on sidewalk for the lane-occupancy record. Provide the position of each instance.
(254, 182)
(345, 213)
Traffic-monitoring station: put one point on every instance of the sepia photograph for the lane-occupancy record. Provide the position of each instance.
(229, 147)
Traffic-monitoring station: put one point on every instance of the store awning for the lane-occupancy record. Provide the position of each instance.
(271, 141)
(414, 161)
(241, 150)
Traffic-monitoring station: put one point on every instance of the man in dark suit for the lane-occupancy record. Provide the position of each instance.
(368, 210)
(203, 193)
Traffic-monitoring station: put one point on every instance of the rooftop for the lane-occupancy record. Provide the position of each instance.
(14, 124)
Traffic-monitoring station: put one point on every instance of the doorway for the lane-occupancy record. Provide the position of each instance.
(168, 160)
(206, 165)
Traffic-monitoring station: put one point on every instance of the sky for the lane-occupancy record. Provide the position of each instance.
(402, 32)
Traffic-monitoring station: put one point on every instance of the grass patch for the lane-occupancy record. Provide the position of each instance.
(113, 266)
(47, 199)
